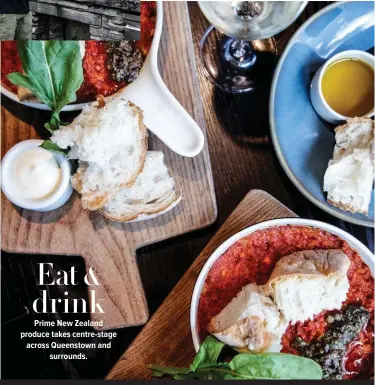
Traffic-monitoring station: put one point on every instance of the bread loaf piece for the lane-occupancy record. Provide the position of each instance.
(307, 282)
(152, 193)
(357, 133)
(110, 141)
(251, 321)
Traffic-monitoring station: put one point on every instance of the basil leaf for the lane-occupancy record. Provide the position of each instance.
(208, 353)
(54, 123)
(242, 367)
(53, 71)
(274, 366)
(50, 146)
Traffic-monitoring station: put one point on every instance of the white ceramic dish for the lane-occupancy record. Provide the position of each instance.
(316, 94)
(54, 200)
(356, 245)
(163, 114)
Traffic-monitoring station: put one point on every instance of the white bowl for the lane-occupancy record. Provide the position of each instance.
(52, 201)
(366, 255)
(316, 94)
(163, 114)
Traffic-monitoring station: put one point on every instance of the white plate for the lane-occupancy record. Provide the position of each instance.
(163, 114)
(366, 255)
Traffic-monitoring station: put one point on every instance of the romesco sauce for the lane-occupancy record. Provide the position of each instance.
(252, 259)
(10, 62)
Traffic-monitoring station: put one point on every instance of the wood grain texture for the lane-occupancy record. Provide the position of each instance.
(166, 338)
(110, 247)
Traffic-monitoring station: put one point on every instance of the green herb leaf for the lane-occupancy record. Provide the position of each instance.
(54, 123)
(50, 146)
(208, 353)
(242, 367)
(53, 71)
(274, 366)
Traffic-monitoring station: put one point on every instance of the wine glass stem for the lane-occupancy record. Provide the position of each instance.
(242, 51)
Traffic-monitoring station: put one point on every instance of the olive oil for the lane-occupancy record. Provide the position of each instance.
(348, 87)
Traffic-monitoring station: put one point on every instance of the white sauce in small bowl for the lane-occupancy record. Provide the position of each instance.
(34, 178)
(35, 174)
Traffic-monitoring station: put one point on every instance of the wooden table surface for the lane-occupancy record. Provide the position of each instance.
(242, 159)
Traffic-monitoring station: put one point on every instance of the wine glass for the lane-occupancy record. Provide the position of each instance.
(237, 51)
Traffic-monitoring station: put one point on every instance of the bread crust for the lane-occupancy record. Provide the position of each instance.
(94, 200)
(349, 121)
(347, 207)
(146, 213)
(309, 263)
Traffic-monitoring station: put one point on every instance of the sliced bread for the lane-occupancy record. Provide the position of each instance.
(349, 177)
(110, 141)
(307, 282)
(152, 193)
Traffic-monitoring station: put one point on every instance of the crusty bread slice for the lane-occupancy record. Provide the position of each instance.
(152, 193)
(250, 322)
(110, 141)
(349, 181)
(357, 133)
(349, 177)
(307, 282)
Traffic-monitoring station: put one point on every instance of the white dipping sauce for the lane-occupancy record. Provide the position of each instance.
(35, 174)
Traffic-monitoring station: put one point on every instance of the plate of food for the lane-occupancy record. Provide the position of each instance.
(292, 287)
(91, 70)
(107, 66)
(322, 127)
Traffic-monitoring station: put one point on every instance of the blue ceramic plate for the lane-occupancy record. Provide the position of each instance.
(303, 141)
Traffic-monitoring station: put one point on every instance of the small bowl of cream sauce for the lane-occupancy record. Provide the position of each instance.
(34, 178)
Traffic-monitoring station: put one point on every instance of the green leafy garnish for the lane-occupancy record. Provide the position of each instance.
(50, 146)
(242, 367)
(53, 72)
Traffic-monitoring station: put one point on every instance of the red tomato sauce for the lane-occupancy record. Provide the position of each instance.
(97, 79)
(10, 62)
(148, 22)
(252, 259)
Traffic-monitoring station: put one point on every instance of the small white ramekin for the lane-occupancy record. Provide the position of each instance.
(366, 255)
(52, 201)
(316, 94)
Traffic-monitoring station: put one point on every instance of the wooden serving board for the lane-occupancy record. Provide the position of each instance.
(108, 246)
(166, 338)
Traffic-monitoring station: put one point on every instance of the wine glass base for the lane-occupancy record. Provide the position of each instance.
(237, 66)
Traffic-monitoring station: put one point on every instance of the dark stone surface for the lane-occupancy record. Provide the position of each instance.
(105, 20)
